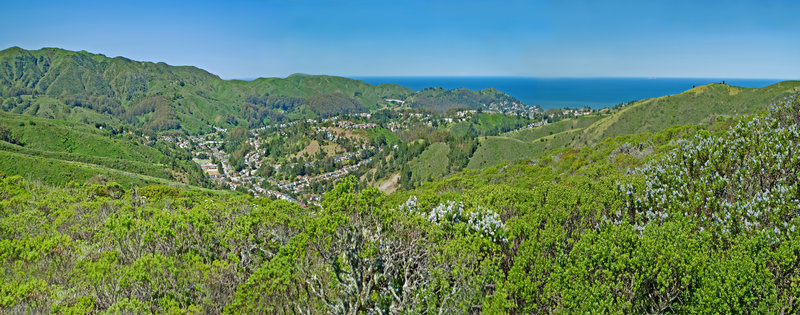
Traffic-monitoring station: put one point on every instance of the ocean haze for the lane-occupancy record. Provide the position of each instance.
(569, 92)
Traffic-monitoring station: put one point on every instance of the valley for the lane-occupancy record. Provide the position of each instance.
(300, 160)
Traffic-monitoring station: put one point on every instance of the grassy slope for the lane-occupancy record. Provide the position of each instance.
(486, 123)
(155, 170)
(690, 107)
(554, 128)
(431, 163)
(388, 135)
(58, 152)
(63, 136)
(498, 148)
(60, 172)
(650, 115)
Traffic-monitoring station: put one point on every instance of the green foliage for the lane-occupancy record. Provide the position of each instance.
(8, 135)
(442, 100)
(158, 192)
(153, 249)
(58, 152)
(575, 231)
(431, 163)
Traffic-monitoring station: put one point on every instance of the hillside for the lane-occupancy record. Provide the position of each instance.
(85, 87)
(441, 100)
(431, 163)
(691, 219)
(651, 115)
(58, 152)
(304, 85)
(92, 88)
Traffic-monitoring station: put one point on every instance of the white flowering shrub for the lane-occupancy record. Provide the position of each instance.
(450, 212)
(411, 205)
(488, 224)
(485, 222)
(742, 180)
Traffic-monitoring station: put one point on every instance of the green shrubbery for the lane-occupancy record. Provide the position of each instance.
(647, 223)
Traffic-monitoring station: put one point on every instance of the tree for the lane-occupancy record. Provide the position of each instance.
(8, 135)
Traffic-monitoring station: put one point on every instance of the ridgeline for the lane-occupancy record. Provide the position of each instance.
(92, 88)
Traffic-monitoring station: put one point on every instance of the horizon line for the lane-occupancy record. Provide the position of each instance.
(515, 77)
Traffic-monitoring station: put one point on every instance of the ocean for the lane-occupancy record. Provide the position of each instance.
(559, 93)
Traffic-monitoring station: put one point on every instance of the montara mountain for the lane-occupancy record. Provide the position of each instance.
(92, 88)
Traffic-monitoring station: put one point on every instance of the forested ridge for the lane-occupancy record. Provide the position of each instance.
(694, 218)
(92, 88)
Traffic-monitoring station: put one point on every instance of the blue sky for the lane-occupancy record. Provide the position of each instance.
(247, 39)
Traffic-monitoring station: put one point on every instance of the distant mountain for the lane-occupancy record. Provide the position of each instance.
(441, 100)
(93, 88)
(694, 106)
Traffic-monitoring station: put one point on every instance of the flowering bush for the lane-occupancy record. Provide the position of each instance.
(486, 223)
(742, 180)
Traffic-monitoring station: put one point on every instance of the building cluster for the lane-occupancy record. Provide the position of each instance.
(214, 161)
(351, 125)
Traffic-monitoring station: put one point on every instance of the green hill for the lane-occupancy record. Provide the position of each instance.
(432, 163)
(92, 88)
(303, 85)
(85, 87)
(531, 134)
(651, 115)
(442, 100)
(57, 152)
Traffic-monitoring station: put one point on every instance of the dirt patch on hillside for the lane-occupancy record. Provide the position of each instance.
(348, 133)
(332, 149)
(390, 185)
(178, 176)
(312, 149)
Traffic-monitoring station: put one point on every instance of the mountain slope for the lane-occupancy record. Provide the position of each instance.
(155, 95)
(442, 100)
(92, 88)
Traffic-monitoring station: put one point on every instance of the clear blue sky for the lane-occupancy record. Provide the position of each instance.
(247, 39)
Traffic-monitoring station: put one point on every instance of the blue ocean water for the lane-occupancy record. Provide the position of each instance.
(561, 92)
